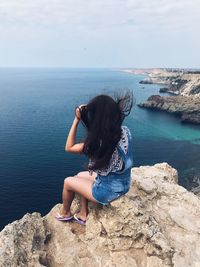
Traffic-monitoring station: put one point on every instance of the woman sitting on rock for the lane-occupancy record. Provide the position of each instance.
(108, 148)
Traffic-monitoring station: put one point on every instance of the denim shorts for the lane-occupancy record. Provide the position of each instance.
(108, 188)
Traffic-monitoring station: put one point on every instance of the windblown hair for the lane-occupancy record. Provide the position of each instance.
(103, 117)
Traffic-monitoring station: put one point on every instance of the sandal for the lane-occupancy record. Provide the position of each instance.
(79, 220)
(60, 217)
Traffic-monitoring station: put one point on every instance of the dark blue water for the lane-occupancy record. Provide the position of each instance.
(36, 111)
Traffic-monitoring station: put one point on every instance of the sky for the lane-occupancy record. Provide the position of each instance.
(100, 33)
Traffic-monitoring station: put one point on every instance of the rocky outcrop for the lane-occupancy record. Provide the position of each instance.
(196, 191)
(22, 242)
(182, 83)
(186, 84)
(178, 82)
(156, 224)
(161, 76)
(146, 82)
(188, 108)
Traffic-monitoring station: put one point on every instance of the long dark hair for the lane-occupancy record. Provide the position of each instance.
(103, 117)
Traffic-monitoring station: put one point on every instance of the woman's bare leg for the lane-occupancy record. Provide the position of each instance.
(87, 175)
(67, 197)
(78, 185)
(82, 214)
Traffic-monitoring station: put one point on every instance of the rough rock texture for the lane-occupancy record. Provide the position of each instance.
(196, 191)
(187, 107)
(22, 242)
(184, 84)
(156, 224)
(181, 82)
(161, 76)
(186, 87)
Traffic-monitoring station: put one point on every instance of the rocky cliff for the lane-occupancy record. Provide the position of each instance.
(188, 108)
(186, 88)
(178, 82)
(156, 224)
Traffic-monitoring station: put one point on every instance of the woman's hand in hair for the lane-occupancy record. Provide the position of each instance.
(78, 112)
(70, 145)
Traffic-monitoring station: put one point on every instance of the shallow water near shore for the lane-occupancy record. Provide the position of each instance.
(36, 111)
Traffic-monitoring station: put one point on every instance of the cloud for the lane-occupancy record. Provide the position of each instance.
(65, 27)
(97, 13)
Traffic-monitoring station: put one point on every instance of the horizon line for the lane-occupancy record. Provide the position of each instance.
(63, 67)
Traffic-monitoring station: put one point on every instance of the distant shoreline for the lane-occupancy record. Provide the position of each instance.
(184, 85)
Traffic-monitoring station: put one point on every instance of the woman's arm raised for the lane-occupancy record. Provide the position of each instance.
(70, 145)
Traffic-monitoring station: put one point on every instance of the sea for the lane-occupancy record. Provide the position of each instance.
(36, 111)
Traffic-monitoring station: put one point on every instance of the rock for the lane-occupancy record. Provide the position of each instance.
(160, 76)
(180, 82)
(196, 190)
(146, 82)
(191, 117)
(184, 85)
(22, 242)
(187, 107)
(157, 223)
(163, 89)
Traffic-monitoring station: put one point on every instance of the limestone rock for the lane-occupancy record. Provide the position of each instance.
(181, 82)
(196, 190)
(185, 87)
(22, 242)
(187, 107)
(157, 223)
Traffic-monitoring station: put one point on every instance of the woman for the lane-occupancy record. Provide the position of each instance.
(108, 148)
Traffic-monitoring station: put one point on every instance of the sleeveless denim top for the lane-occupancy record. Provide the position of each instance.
(108, 188)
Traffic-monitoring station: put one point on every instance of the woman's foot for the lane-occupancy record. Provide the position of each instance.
(82, 216)
(80, 219)
(63, 215)
(60, 217)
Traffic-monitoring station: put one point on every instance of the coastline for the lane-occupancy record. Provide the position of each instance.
(184, 87)
(45, 123)
(184, 101)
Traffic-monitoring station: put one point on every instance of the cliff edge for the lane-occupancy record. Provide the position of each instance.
(157, 223)
(185, 87)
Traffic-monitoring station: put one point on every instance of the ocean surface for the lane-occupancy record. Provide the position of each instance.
(36, 112)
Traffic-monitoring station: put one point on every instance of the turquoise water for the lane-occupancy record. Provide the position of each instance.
(36, 111)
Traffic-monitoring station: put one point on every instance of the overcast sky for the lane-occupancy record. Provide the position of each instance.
(100, 33)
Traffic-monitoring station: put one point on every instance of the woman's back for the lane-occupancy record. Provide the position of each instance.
(114, 181)
(116, 161)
